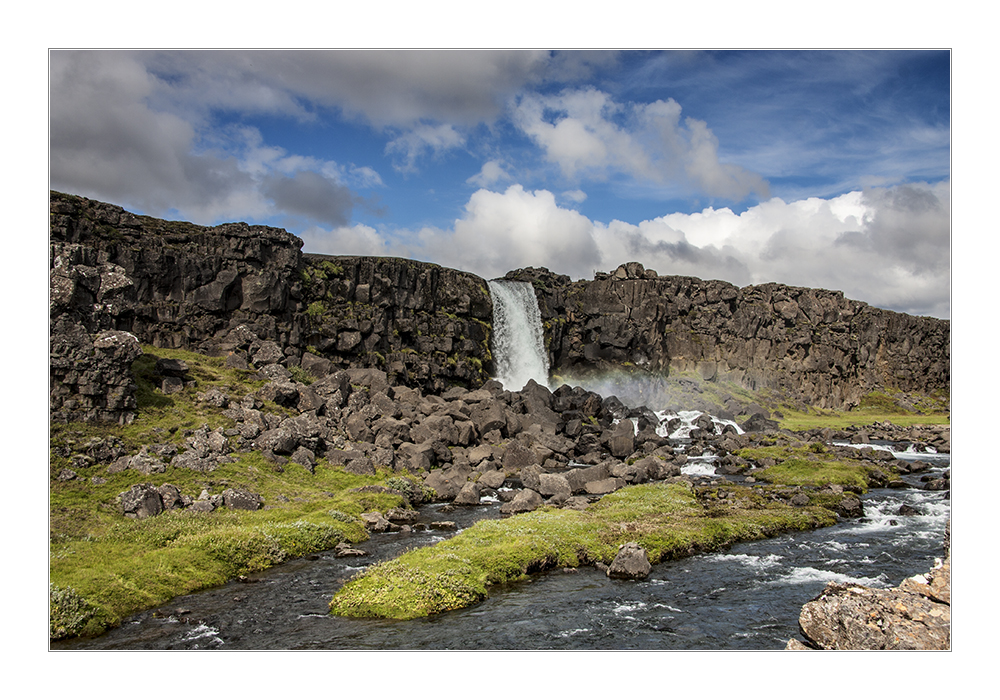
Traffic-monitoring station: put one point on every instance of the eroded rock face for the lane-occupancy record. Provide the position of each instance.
(178, 285)
(811, 344)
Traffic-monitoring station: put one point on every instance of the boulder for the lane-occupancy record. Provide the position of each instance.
(526, 500)
(554, 484)
(141, 501)
(241, 499)
(850, 616)
(171, 368)
(621, 443)
(447, 483)
(603, 486)
(492, 479)
(631, 562)
(375, 522)
(468, 495)
(517, 456)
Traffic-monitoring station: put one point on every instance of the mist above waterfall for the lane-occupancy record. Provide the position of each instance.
(518, 341)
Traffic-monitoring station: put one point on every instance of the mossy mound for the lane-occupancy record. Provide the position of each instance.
(668, 520)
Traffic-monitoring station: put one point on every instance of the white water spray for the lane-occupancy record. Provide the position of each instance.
(518, 341)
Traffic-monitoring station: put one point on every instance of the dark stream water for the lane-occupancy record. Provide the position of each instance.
(747, 597)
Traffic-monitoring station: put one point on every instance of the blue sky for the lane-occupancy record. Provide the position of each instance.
(812, 168)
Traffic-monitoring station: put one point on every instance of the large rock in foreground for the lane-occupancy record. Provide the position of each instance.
(631, 562)
(916, 615)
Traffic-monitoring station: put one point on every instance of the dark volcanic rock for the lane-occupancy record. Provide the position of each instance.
(241, 499)
(812, 344)
(141, 501)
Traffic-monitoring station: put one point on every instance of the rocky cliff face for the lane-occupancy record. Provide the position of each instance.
(810, 344)
(178, 285)
(119, 280)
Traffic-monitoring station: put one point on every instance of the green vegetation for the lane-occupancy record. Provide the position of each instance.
(104, 566)
(316, 309)
(669, 520)
(875, 407)
(812, 466)
(818, 418)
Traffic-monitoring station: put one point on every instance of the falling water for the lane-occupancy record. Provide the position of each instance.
(518, 341)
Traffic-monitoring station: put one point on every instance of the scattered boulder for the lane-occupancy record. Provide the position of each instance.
(375, 522)
(241, 499)
(141, 501)
(631, 562)
(525, 501)
(469, 495)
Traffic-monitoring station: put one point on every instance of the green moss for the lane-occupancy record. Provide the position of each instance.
(104, 567)
(810, 466)
(668, 520)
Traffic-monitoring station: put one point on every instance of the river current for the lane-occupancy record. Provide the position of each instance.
(746, 597)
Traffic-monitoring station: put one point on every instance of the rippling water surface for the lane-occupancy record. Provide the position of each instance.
(747, 597)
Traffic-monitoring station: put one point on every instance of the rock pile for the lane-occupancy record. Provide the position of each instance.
(146, 500)
(564, 448)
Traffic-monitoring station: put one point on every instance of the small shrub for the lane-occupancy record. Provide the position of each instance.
(69, 612)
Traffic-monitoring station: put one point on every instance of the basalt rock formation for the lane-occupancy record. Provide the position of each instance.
(119, 280)
(809, 344)
(179, 285)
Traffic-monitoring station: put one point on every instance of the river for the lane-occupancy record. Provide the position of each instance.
(747, 597)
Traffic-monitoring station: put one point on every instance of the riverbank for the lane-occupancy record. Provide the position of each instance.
(237, 470)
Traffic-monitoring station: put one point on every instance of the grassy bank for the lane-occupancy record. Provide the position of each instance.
(669, 520)
(875, 407)
(104, 567)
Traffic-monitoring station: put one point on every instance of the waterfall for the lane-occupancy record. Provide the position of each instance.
(518, 342)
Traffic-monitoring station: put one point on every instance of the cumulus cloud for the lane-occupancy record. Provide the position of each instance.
(118, 132)
(106, 142)
(888, 247)
(587, 134)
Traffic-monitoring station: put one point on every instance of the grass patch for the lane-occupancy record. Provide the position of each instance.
(808, 420)
(104, 567)
(813, 466)
(669, 520)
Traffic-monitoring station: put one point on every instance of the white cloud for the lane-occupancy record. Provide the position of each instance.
(425, 138)
(587, 134)
(888, 247)
(491, 173)
(345, 240)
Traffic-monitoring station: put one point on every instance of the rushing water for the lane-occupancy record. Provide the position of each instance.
(747, 597)
(518, 340)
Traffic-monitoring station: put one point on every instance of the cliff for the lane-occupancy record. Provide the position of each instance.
(119, 280)
(179, 285)
(811, 345)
